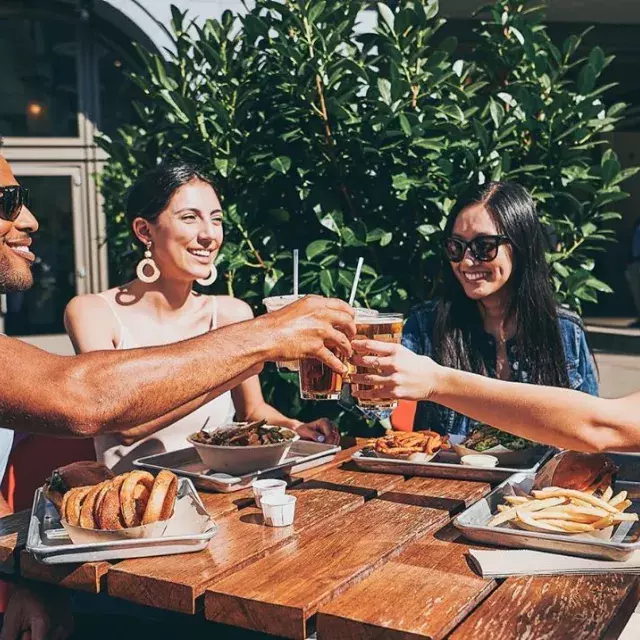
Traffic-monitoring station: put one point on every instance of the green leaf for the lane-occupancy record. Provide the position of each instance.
(384, 87)
(281, 164)
(223, 166)
(597, 59)
(427, 230)
(329, 222)
(599, 285)
(518, 34)
(561, 269)
(586, 80)
(351, 239)
(432, 9)
(387, 15)
(318, 247)
(326, 283)
(404, 123)
(316, 11)
(497, 113)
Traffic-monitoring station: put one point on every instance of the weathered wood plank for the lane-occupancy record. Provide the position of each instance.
(175, 582)
(281, 592)
(219, 505)
(423, 593)
(347, 477)
(84, 577)
(13, 536)
(439, 493)
(350, 446)
(547, 608)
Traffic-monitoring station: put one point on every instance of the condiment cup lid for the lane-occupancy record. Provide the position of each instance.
(268, 484)
(479, 460)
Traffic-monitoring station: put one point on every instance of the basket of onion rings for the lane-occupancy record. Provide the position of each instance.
(131, 505)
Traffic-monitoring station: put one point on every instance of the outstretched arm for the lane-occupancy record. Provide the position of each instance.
(559, 417)
(91, 329)
(111, 390)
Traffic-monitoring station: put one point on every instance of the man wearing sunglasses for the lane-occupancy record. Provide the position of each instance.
(107, 391)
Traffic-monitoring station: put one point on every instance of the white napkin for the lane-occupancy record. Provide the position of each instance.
(516, 562)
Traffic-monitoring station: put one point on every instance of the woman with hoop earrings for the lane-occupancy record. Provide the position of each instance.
(175, 214)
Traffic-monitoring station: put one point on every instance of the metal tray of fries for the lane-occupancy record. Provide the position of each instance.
(446, 464)
(613, 543)
(188, 530)
(304, 454)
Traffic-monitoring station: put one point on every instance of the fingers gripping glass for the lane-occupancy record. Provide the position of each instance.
(12, 199)
(483, 248)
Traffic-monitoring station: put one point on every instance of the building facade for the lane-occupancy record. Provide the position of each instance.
(62, 83)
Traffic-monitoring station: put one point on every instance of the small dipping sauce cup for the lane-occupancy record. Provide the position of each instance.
(278, 510)
(264, 488)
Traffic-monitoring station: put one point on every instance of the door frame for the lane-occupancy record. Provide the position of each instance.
(81, 239)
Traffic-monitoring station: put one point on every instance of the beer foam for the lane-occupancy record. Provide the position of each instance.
(390, 318)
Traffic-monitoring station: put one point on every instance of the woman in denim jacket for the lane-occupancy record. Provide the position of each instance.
(495, 314)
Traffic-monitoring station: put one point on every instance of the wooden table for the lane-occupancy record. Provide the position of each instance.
(369, 556)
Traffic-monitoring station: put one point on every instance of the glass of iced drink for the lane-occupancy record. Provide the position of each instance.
(274, 303)
(385, 327)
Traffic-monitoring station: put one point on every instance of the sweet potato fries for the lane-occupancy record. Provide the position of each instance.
(403, 444)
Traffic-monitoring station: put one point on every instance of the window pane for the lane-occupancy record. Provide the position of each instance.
(40, 310)
(117, 92)
(39, 88)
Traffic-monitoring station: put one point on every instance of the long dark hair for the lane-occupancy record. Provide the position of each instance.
(458, 321)
(151, 193)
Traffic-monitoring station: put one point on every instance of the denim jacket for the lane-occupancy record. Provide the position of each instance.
(418, 336)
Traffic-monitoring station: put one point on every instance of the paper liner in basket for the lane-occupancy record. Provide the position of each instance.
(188, 518)
(506, 457)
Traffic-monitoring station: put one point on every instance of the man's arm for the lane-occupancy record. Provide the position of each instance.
(559, 417)
(108, 391)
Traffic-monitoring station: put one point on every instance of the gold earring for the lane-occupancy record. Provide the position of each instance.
(149, 262)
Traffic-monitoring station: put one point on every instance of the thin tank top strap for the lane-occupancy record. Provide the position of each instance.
(121, 327)
(214, 313)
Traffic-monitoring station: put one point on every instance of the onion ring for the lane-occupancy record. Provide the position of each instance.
(162, 498)
(73, 504)
(128, 499)
(141, 495)
(87, 520)
(109, 516)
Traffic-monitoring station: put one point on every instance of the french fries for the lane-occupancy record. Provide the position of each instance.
(554, 510)
(406, 443)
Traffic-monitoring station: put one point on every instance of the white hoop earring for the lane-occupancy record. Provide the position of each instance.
(205, 282)
(147, 261)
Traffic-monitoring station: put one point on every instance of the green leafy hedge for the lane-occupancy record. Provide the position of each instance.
(345, 143)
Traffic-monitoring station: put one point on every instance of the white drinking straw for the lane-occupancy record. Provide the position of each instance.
(295, 272)
(356, 279)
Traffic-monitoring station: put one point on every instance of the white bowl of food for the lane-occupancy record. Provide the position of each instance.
(238, 450)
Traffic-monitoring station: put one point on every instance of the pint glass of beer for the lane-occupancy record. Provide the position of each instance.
(273, 304)
(318, 382)
(385, 327)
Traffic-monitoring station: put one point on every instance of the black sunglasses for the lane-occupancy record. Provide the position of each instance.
(483, 248)
(12, 199)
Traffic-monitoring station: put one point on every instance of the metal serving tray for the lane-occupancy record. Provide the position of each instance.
(447, 465)
(303, 455)
(623, 542)
(49, 544)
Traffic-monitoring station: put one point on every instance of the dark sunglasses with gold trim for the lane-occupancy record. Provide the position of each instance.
(12, 199)
(482, 248)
